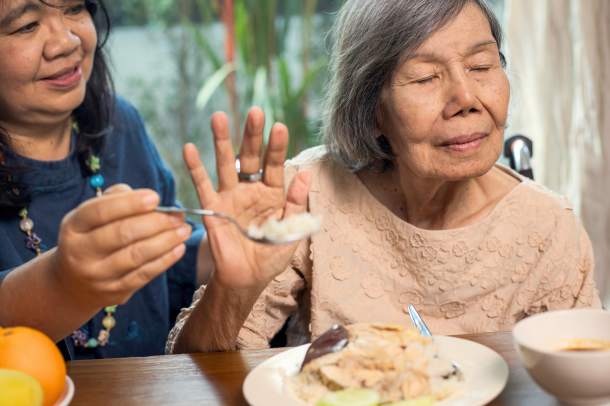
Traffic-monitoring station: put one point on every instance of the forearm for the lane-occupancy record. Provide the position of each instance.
(217, 319)
(31, 296)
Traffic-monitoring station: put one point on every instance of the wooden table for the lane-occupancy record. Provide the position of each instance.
(216, 378)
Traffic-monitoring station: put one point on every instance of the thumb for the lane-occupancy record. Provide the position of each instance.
(298, 191)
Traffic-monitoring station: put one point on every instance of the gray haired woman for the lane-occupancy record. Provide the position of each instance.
(415, 209)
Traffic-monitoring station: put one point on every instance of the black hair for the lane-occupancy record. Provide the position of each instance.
(93, 117)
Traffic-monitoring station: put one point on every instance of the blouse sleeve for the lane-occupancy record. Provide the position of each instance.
(588, 295)
(271, 310)
(578, 288)
(183, 316)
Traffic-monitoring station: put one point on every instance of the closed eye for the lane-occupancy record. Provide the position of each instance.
(427, 79)
(28, 28)
(75, 10)
(481, 68)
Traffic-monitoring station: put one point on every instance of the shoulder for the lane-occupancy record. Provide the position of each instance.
(125, 113)
(309, 158)
(539, 196)
(326, 172)
(557, 209)
(127, 124)
(333, 186)
(128, 129)
(538, 213)
(130, 153)
(529, 193)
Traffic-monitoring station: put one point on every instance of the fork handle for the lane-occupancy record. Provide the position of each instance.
(174, 209)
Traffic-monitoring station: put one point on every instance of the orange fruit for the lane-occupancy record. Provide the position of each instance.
(19, 389)
(30, 351)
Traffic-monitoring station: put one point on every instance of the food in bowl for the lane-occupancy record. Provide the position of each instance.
(574, 377)
(292, 228)
(585, 344)
(381, 362)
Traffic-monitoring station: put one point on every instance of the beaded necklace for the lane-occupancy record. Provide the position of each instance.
(33, 242)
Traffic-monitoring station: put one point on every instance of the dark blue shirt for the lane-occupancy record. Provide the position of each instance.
(57, 187)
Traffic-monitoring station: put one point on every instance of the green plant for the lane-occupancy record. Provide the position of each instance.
(269, 54)
(261, 72)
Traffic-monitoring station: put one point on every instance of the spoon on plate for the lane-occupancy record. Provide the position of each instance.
(425, 331)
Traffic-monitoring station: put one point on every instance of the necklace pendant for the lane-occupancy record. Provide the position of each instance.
(32, 242)
(103, 337)
(79, 338)
(26, 225)
(97, 181)
(108, 322)
(94, 163)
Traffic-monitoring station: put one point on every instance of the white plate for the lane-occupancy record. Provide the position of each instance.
(68, 393)
(485, 374)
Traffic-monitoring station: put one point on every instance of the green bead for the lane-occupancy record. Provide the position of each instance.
(92, 343)
(94, 163)
(110, 309)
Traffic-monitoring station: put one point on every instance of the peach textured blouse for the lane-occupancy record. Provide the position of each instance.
(529, 255)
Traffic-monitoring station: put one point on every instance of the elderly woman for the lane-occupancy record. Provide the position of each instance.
(415, 209)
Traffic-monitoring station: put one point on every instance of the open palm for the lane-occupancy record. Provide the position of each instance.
(238, 261)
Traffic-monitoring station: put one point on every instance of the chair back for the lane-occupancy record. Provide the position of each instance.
(519, 151)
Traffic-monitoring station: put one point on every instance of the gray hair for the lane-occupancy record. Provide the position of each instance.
(370, 40)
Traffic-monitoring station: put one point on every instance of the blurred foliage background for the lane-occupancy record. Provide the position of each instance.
(180, 60)
(209, 55)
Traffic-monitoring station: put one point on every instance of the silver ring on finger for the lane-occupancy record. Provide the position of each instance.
(245, 176)
(250, 177)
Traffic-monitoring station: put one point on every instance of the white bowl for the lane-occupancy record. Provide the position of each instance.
(575, 378)
(67, 395)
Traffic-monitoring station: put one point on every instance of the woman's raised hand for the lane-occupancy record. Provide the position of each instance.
(239, 262)
(111, 246)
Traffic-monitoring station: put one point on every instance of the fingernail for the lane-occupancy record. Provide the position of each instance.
(150, 200)
(184, 231)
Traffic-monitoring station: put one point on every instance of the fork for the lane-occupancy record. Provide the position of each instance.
(203, 212)
(423, 329)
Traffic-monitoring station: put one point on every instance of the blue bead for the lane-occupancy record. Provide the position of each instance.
(92, 343)
(96, 181)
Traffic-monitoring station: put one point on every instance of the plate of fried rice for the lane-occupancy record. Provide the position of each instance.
(381, 364)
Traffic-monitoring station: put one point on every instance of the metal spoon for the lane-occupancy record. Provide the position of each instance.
(425, 331)
(262, 240)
